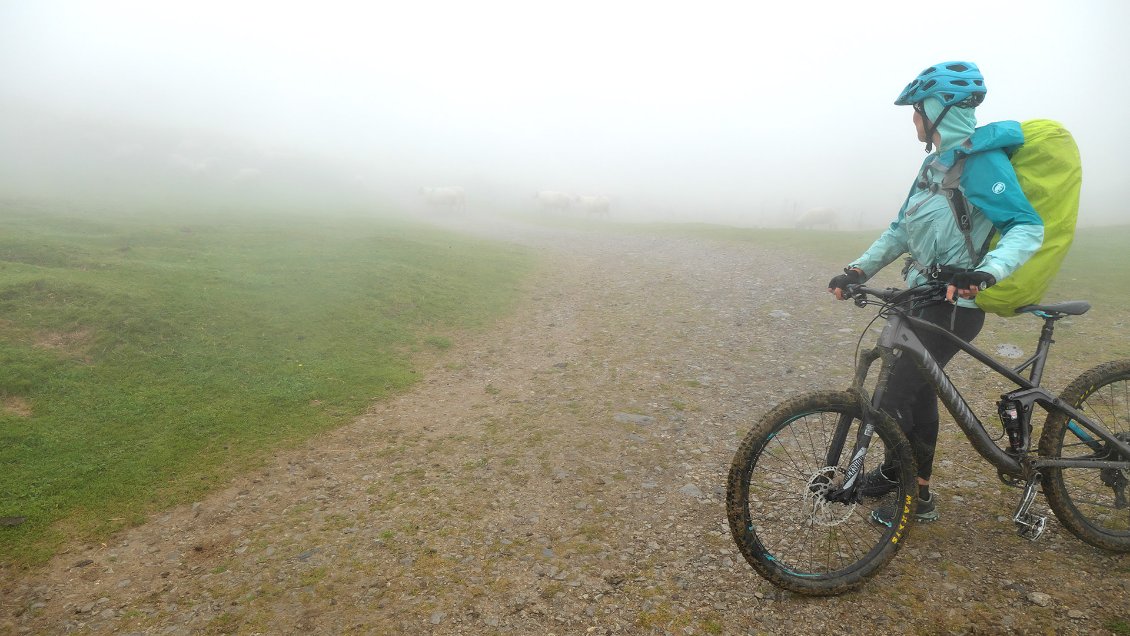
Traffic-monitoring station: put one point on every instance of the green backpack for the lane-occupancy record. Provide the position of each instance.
(1051, 174)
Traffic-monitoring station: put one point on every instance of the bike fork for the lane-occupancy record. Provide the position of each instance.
(1028, 525)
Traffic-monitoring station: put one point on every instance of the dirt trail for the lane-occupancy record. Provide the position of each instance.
(563, 473)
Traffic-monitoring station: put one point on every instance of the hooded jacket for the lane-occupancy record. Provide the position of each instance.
(927, 230)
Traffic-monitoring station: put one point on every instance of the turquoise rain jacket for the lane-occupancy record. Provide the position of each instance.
(927, 230)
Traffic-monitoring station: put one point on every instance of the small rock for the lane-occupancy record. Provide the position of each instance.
(1039, 598)
(1016, 587)
(1010, 351)
(691, 490)
(1076, 614)
(633, 418)
(780, 313)
(437, 617)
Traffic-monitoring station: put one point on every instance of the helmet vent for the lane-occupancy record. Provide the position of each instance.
(953, 83)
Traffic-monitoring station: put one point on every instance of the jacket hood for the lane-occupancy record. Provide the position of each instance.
(955, 127)
(1003, 135)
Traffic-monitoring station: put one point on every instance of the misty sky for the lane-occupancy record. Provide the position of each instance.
(715, 111)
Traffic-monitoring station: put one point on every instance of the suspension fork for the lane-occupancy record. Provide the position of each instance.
(852, 479)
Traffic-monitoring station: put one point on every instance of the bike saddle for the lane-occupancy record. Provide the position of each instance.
(1065, 308)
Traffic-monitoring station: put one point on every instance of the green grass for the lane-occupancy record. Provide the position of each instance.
(1118, 626)
(146, 358)
(1096, 269)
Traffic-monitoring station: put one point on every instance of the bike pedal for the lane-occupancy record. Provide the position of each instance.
(1030, 527)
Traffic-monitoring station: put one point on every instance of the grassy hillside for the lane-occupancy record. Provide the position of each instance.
(144, 358)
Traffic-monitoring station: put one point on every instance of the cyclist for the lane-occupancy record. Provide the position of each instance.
(944, 97)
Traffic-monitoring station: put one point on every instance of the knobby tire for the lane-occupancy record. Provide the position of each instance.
(788, 534)
(1090, 502)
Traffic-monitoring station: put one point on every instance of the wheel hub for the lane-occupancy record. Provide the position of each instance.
(821, 511)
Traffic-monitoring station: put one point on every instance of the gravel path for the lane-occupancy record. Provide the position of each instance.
(563, 473)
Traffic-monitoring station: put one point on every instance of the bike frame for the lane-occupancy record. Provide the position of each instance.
(900, 335)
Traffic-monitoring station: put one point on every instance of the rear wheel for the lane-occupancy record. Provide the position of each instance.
(1092, 503)
(775, 497)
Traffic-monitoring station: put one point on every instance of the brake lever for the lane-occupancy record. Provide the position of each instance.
(860, 299)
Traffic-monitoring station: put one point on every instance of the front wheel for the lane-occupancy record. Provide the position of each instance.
(1092, 503)
(778, 515)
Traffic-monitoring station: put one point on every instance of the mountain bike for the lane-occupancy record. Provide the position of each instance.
(794, 497)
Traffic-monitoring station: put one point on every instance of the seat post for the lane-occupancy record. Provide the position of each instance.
(1043, 347)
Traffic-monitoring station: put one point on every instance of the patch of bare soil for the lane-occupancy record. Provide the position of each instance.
(16, 405)
(68, 343)
(563, 473)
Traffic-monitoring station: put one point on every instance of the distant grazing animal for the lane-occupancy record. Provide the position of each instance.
(598, 205)
(448, 197)
(553, 201)
(818, 217)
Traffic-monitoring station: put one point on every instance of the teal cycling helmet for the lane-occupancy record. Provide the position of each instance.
(952, 83)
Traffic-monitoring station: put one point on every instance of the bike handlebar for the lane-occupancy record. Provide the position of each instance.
(933, 290)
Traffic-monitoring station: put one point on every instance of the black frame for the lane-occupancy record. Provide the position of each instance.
(900, 335)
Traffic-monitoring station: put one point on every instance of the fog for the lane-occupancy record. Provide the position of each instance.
(741, 113)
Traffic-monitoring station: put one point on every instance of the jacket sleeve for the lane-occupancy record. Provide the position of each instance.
(891, 244)
(990, 185)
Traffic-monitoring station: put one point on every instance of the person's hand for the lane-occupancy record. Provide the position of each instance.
(967, 284)
(851, 276)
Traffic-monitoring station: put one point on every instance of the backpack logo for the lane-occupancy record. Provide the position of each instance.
(998, 187)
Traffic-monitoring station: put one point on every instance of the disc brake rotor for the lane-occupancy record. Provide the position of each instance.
(821, 511)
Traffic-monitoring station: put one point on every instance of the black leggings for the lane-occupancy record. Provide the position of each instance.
(910, 398)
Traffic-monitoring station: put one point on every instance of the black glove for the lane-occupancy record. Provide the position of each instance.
(973, 278)
(849, 277)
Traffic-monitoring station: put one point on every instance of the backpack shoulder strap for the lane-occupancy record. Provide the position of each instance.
(951, 187)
